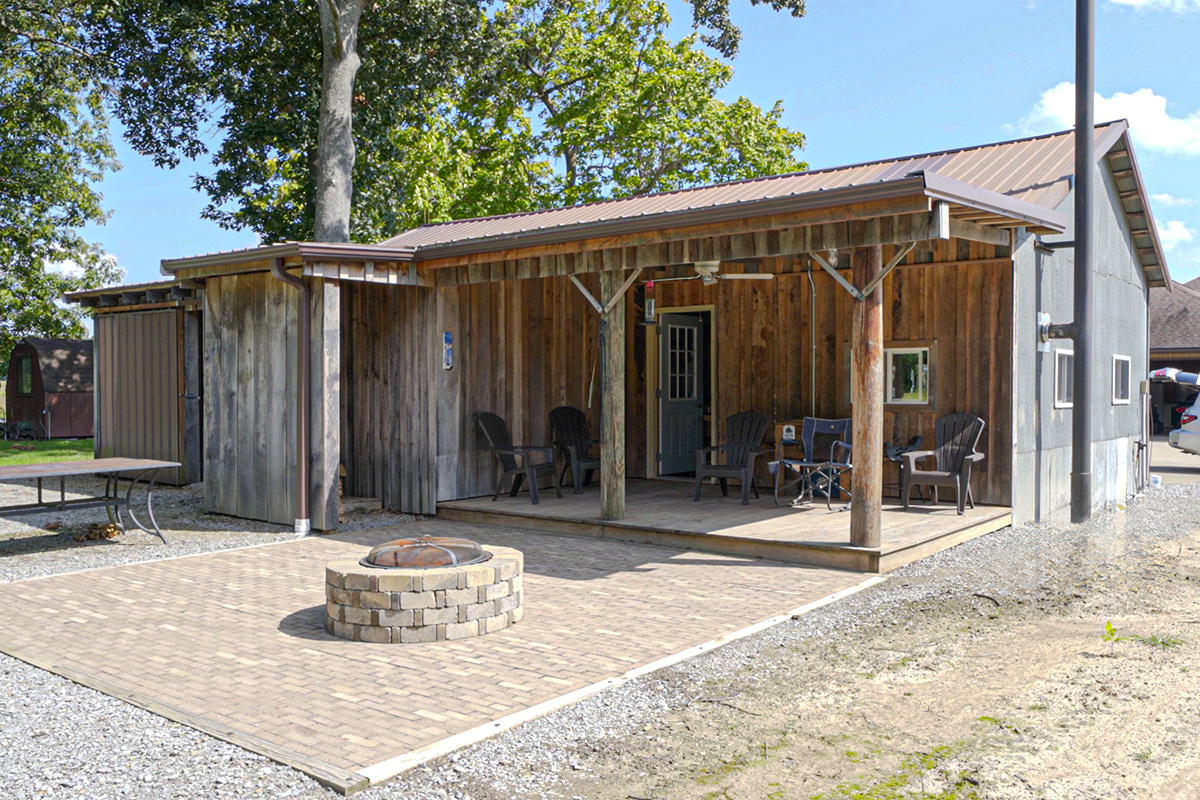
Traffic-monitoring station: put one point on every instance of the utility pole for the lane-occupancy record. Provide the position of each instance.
(1081, 415)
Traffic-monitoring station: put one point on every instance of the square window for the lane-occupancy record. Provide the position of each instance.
(1122, 388)
(907, 373)
(1064, 381)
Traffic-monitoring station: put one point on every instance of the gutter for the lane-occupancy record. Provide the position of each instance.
(303, 396)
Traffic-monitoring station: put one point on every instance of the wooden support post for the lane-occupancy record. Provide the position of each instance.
(866, 483)
(325, 428)
(612, 403)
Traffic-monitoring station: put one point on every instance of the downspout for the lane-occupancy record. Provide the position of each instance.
(1081, 415)
(304, 395)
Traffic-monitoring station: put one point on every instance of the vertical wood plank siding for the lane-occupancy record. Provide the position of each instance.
(250, 324)
(145, 362)
(522, 347)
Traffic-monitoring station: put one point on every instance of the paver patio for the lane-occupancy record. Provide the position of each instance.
(234, 642)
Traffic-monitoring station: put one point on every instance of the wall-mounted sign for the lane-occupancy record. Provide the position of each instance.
(447, 350)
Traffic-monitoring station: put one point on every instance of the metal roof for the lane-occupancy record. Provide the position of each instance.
(1033, 175)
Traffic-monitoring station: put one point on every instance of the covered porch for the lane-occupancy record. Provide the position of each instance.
(663, 513)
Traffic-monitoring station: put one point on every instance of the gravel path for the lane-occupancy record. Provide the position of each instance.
(60, 740)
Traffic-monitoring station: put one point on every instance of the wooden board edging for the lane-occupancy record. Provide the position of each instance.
(385, 770)
(340, 780)
(916, 552)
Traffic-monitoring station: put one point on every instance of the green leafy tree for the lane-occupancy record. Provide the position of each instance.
(54, 147)
(425, 110)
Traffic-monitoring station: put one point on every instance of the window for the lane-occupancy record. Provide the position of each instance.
(1121, 381)
(1064, 381)
(907, 372)
(25, 375)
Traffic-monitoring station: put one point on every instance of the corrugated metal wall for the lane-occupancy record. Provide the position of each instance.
(141, 408)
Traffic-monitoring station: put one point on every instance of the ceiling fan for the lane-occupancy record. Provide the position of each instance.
(708, 273)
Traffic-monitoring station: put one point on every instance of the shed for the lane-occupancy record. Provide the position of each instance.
(148, 381)
(50, 386)
(942, 259)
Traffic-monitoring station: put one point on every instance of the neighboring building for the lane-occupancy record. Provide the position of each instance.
(413, 336)
(1174, 342)
(50, 387)
(148, 382)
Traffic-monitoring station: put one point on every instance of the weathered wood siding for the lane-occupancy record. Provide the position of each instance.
(250, 324)
(765, 353)
(522, 347)
(146, 362)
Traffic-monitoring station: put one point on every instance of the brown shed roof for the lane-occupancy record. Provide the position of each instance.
(1175, 317)
(66, 364)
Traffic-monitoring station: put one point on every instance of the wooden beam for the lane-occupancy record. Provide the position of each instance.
(866, 484)
(612, 402)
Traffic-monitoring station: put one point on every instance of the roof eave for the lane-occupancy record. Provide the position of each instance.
(939, 187)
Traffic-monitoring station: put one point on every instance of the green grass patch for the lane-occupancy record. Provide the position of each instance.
(1161, 640)
(907, 782)
(44, 450)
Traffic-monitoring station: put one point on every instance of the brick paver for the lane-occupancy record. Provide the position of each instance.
(238, 637)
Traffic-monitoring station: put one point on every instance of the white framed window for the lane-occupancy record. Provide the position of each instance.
(1122, 389)
(906, 372)
(1064, 380)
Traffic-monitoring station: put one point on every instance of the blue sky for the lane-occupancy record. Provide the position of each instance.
(865, 80)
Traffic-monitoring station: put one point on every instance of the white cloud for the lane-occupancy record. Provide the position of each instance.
(1165, 199)
(68, 268)
(1174, 233)
(1152, 125)
(1167, 5)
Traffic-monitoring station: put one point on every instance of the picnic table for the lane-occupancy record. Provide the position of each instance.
(112, 501)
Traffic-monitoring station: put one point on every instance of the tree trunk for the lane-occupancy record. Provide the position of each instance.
(335, 135)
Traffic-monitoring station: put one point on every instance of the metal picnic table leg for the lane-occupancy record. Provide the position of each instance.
(149, 503)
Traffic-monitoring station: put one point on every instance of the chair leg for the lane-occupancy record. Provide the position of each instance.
(933, 496)
(587, 477)
(577, 475)
(724, 487)
(557, 488)
(746, 491)
(699, 481)
(959, 494)
(531, 476)
(499, 486)
(970, 497)
(517, 479)
(563, 475)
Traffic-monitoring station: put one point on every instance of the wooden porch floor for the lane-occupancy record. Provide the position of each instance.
(663, 513)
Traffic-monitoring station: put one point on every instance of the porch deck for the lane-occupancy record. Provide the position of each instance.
(663, 513)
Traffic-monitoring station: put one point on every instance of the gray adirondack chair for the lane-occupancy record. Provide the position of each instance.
(744, 433)
(516, 461)
(957, 435)
(569, 426)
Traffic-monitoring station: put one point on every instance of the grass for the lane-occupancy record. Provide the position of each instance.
(44, 450)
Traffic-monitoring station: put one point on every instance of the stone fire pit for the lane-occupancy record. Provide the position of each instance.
(425, 589)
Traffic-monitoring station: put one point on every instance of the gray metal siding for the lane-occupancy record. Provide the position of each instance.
(1042, 441)
(139, 380)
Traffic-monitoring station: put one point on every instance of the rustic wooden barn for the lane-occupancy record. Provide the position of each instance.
(935, 263)
(50, 387)
(148, 376)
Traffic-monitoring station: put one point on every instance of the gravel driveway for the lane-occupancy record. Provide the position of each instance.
(981, 672)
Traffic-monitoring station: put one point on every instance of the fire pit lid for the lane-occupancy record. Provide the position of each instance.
(423, 552)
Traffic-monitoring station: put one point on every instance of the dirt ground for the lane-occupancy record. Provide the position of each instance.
(1052, 662)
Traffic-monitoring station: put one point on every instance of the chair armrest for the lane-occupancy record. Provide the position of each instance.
(975, 457)
(839, 452)
(712, 449)
(911, 457)
(526, 450)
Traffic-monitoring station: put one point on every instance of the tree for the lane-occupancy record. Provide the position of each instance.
(54, 146)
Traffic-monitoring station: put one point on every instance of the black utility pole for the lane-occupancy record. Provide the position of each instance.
(1081, 417)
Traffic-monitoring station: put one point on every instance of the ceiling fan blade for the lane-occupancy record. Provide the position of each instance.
(670, 280)
(748, 276)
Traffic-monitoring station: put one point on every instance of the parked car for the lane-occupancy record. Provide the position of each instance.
(1187, 436)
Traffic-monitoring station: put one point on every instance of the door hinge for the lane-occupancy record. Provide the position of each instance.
(658, 394)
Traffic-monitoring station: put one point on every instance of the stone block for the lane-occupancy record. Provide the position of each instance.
(360, 581)
(345, 630)
(395, 619)
(333, 578)
(439, 599)
(496, 590)
(517, 583)
(357, 616)
(423, 634)
(343, 597)
(516, 614)
(394, 582)
(508, 603)
(493, 624)
(462, 630)
(478, 574)
(374, 599)
(376, 635)
(459, 597)
(476, 611)
(417, 600)
(436, 616)
(434, 579)
(334, 611)
(507, 568)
